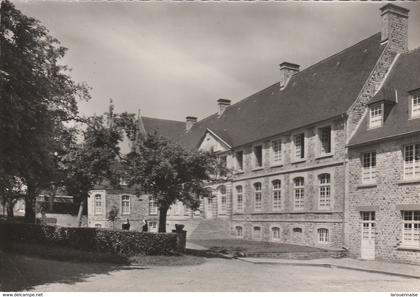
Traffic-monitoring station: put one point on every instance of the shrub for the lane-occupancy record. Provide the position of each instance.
(117, 242)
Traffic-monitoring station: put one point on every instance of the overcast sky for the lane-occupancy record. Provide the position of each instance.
(173, 59)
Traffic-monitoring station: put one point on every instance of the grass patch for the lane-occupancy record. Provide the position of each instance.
(227, 246)
(180, 260)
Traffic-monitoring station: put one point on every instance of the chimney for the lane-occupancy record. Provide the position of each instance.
(287, 70)
(395, 27)
(223, 104)
(189, 122)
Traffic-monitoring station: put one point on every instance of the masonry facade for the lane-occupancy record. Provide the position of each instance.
(298, 152)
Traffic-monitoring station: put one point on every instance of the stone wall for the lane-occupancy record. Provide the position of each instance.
(387, 198)
(286, 218)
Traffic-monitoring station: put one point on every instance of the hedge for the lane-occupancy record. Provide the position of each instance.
(117, 242)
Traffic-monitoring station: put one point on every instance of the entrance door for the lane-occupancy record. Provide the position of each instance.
(208, 207)
(368, 235)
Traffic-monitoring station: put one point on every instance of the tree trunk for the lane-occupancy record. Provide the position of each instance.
(30, 201)
(162, 219)
(79, 215)
(10, 213)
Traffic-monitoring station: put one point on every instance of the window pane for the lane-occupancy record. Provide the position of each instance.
(325, 139)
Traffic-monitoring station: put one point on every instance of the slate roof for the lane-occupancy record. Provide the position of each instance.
(322, 91)
(404, 78)
(173, 130)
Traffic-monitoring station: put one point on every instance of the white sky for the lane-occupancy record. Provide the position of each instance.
(173, 59)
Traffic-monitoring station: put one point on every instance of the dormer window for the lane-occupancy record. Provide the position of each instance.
(415, 106)
(376, 116)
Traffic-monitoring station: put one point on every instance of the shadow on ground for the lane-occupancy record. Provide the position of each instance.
(19, 272)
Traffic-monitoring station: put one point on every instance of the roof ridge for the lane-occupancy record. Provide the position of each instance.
(340, 52)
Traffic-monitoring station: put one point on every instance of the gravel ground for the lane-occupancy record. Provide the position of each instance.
(233, 275)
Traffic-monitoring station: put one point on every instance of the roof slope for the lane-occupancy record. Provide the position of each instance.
(324, 90)
(173, 130)
(404, 77)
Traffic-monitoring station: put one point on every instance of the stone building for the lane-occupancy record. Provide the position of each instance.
(135, 208)
(294, 150)
(383, 205)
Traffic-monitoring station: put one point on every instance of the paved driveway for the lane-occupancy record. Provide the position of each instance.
(235, 275)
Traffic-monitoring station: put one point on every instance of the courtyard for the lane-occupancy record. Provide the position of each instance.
(202, 274)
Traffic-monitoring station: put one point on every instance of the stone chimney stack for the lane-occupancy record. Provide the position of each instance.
(223, 104)
(189, 122)
(395, 27)
(287, 70)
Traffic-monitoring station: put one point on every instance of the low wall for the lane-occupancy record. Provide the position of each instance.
(117, 242)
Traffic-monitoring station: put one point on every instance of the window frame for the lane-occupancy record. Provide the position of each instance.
(98, 210)
(237, 195)
(223, 199)
(276, 157)
(153, 209)
(323, 237)
(415, 220)
(415, 163)
(239, 227)
(303, 151)
(254, 157)
(257, 193)
(320, 130)
(279, 196)
(253, 232)
(275, 239)
(298, 205)
(377, 120)
(122, 204)
(239, 166)
(325, 202)
(369, 173)
(415, 111)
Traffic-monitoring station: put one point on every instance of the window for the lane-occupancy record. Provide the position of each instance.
(275, 233)
(324, 191)
(375, 116)
(98, 204)
(276, 184)
(258, 157)
(412, 161)
(258, 197)
(98, 226)
(152, 206)
(411, 228)
(239, 198)
(299, 146)
(256, 233)
(125, 204)
(152, 226)
(299, 193)
(297, 230)
(415, 106)
(324, 135)
(239, 232)
(223, 201)
(369, 168)
(239, 161)
(223, 165)
(323, 235)
(276, 155)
